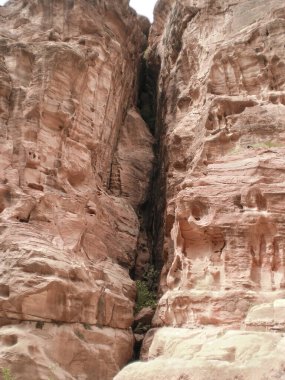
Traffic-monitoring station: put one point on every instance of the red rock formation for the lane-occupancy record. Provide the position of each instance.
(75, 164)
(221, 121)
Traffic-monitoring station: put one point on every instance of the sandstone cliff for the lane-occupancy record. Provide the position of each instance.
(75, 166)
(220, 194)
(81, 207)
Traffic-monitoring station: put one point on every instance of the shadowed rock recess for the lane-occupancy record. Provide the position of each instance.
(121, 148)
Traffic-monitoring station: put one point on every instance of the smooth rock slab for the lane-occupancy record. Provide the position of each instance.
(210, 353)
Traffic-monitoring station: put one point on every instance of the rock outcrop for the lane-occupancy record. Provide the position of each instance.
(75, 165)
(83, 203)
(220, 193)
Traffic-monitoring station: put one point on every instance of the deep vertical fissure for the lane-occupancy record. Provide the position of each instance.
(151, 212)
(150, 109)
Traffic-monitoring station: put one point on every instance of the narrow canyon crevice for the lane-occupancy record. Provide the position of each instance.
(147, 104)
(147, 266)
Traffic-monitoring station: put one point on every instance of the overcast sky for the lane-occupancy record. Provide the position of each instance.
(143, 7)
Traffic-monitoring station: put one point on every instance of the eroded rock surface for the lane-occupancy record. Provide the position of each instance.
(221, 121)
(75, 163)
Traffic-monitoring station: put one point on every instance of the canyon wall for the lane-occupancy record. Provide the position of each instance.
(83, 204)
(220, 193)
(75, 165)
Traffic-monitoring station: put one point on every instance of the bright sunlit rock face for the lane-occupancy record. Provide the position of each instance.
(144, 8)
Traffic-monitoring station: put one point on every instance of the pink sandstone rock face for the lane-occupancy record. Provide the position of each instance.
(221, 123)
(75, 166)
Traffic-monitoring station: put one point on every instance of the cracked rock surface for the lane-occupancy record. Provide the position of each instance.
(75, 163)
(221, 122)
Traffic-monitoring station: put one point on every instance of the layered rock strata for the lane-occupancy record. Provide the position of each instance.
(75, 166)
(221, 191)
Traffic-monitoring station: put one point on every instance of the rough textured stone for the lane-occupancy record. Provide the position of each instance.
(197, 354)
(221, 124)
(144, 317)
(75, 165)
(64, 351)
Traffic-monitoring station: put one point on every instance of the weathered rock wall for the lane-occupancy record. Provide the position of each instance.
(221, 191)
(75, 165)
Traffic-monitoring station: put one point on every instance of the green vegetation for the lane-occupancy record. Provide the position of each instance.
(6, 374)
(267, 144)
(79, 334)
(145, 297)
(146, 290)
